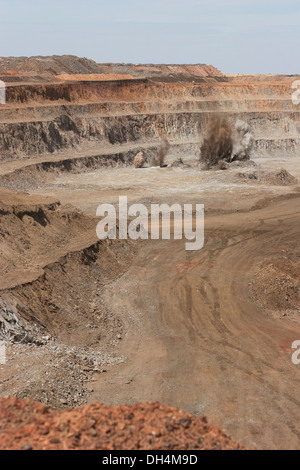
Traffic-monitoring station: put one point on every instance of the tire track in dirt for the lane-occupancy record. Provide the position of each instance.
(198, 340)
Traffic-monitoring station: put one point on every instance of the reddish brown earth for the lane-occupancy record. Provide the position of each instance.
(207, 332)
(26, 425)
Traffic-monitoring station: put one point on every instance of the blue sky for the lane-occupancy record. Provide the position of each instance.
(245, 36)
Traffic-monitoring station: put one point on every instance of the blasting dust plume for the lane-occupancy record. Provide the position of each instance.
(159, 159)
(139, 160)
(223, 144)
(243, 141)
(218, 142)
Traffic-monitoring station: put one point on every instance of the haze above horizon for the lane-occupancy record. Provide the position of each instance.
(235, 36)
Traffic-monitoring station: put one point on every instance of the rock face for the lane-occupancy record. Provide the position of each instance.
(11, 327)
(31, 426)
(68, 107)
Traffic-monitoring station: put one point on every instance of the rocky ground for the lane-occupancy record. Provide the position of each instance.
(26, 425)
(276, 285)
(116, 322)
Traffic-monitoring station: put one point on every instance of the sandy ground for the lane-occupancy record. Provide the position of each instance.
(193, 333)
(219, 191)
(32, 426)
(201, 342)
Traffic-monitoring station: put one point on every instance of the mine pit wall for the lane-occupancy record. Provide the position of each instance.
(146, 90)
(80, 117)
(32, 176)
(273, 131)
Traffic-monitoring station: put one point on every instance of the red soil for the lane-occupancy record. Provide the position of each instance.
(26, 425)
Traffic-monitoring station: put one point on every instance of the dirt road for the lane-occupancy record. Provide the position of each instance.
(192, 331)
(196, 338)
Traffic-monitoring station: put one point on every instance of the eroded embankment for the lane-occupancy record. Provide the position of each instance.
(30, 225)
(57, 291)
(79, 117)
(273, 130)
(67, 67)
(65, 301)
(52, 313)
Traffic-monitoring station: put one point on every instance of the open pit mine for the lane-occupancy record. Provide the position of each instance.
(123, 322)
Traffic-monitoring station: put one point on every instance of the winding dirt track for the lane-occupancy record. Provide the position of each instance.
(198, 340)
